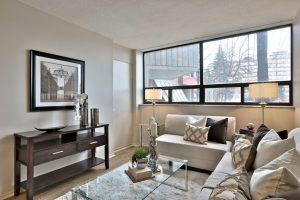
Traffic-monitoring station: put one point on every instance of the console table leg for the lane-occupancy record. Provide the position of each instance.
(30, 167)
(93, 153)
(17, 174)
(106, 148)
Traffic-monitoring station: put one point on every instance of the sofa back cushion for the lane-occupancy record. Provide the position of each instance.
(175, 124)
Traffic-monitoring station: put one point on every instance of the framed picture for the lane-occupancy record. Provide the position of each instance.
(54, 81)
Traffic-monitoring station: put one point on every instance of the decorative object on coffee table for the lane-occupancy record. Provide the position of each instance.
(139, 157)
(263, 92)
(153, 95)
(152, 135)
(137, 175)
(54, 81)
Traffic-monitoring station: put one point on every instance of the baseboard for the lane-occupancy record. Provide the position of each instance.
(116, 151)
(7, 195)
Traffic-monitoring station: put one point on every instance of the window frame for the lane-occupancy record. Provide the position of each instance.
(202, 87)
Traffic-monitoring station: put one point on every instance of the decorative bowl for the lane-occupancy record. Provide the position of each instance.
(51, 129)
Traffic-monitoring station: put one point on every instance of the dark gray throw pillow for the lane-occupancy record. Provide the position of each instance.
(283, 134)
(262, 130)
(218, 130)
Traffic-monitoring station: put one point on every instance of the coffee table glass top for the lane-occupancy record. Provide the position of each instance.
(117, 185)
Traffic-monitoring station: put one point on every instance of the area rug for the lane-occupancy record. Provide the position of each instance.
(164, 191)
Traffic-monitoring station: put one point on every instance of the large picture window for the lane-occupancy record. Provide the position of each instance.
(219, 71)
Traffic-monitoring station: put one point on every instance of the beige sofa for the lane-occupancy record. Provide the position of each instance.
(226, 166)
(205, 157)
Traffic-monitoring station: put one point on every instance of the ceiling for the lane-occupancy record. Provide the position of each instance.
(144, 24)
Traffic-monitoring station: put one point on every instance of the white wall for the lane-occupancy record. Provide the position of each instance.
(24, 28)
(276, 118)
(122, 97)
(296, 56)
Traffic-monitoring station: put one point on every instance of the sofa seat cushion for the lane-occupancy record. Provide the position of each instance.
(202, 156)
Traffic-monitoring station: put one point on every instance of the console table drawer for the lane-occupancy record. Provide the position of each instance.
(90, 143)
(54, 153)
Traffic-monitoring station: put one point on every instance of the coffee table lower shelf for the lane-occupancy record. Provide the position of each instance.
(60, 175)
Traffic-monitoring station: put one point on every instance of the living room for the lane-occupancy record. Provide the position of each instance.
(170, 99)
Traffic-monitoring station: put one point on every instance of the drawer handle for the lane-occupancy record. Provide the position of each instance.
(58, 152)
(95, 142)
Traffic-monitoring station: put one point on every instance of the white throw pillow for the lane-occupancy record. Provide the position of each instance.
(270, 147)
(197, 122)
(196, 134)
(268, 182)
(295, 133)
(289, 160)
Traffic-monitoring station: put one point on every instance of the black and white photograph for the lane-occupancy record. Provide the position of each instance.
(55, 81)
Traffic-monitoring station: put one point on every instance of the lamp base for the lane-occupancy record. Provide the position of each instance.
(263, 104)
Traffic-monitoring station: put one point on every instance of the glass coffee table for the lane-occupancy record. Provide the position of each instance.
(117, 185)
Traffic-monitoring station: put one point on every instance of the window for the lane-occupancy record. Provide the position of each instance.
(172, 67)
(185, 95)
(223, 95)
(219, 71)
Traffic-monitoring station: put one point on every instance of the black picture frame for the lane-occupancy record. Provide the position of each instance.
(34, 107)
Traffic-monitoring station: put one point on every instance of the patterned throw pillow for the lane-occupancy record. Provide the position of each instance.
(196, 134)
(234, 186)
(235, 137)
(243, 153)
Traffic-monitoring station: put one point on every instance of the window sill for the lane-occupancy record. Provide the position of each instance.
(215, 105)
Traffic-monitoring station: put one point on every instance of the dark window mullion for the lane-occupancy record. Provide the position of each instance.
(170, 91)
(202, 89)
(242, 94)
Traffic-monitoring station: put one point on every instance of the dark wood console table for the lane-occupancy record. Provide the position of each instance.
(36, 147)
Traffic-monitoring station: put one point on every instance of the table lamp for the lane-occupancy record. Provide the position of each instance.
(263, 92)
(153, 95)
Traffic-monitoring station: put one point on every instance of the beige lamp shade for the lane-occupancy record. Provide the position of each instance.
(153, 94)
(263, 90)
